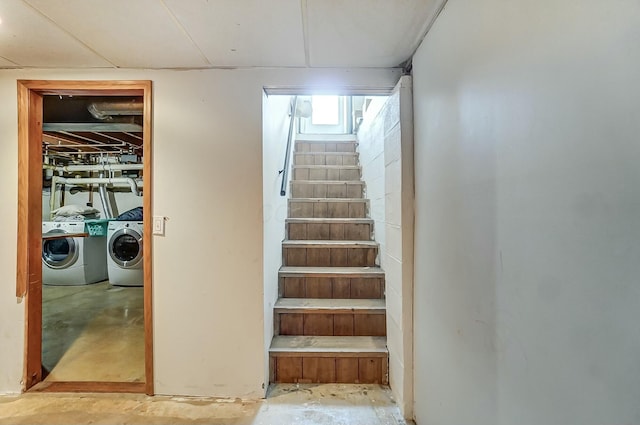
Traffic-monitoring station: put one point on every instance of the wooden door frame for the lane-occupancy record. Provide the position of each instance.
(29, 262)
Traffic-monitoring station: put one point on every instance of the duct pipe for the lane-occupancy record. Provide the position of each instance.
(105, 110)
(99, 180)
(93, 167)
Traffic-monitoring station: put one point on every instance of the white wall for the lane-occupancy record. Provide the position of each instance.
(207, 180)
(386, 146)
(11, 310)
(371, 154)
(527, 220)
(399, 230)
(274, 142)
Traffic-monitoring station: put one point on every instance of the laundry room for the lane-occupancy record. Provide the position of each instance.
(92, 239)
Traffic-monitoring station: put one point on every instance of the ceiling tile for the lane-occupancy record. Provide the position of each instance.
(5, 63)
(130, 34)
(244, 33)
(205, 33)
(29, 39)
(366, 33)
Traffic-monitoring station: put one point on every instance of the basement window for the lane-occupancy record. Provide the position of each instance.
(326, 110)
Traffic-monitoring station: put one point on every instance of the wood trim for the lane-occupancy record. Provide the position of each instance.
(22, 265)
(29, 270)
(29, 264)
(90, 387)
(87, 88)
(147, 238)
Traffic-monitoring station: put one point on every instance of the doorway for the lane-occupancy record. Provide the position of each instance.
(32, 97)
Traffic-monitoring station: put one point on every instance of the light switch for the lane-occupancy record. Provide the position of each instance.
(158, 225)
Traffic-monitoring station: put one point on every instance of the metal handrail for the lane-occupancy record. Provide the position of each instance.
(287, 155)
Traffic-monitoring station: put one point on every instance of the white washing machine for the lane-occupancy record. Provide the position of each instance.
(72, 261)
(124, 244)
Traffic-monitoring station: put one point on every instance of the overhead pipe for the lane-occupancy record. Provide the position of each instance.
(105, 110)
(133, 184)
(100, 180)
(93, 167)
(82, 145)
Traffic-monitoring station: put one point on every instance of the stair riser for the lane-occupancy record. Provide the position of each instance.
(330, 324)
(329, 231)
(326, 190)
(340, 174)
(327, 209)
(334, 369)
(329, 257)
(325, 159)
(325, 147)
(331, 287)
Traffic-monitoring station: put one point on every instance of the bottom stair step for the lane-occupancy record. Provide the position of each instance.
(327, 359)
(329, 345)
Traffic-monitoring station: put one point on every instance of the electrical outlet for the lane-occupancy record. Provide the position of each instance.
(158, 225)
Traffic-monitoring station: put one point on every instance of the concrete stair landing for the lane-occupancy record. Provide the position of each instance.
(330, 318)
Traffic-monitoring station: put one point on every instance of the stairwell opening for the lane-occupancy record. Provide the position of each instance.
(325, 307)
(338, 247)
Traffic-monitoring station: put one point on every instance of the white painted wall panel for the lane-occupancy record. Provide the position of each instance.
(11, 311)
(386, 149)
(371, 154)
(527, 211)
(275, 112)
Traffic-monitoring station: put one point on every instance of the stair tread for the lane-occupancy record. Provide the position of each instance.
(321, 243)
(328, 344)
(328, 200)
(331, 220)
(327, 182)
(325, 153)
(324, 138)
(349, 167)
(330, 305)
(331, 271)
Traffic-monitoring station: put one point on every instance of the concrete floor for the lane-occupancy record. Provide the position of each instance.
(93, 333)
(330, 404)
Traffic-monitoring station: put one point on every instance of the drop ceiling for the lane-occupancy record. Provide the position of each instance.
(158, 34)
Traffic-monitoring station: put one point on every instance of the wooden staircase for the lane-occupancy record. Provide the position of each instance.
(330, 319)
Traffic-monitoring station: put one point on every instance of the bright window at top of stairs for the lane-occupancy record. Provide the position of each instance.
(326, 110)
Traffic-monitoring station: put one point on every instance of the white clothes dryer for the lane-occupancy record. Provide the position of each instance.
(124, 244)
(72, 260)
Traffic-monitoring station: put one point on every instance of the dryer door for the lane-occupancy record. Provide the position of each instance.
(125, 248)
(59, 253)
